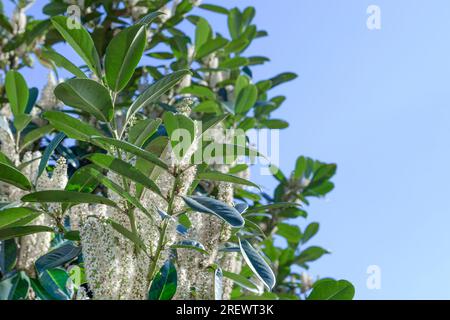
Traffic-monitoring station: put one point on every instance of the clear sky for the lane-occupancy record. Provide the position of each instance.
(378, 104)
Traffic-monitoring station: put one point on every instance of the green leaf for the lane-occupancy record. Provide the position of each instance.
(213, 122)
(214, 8)
(310, 231)
(211, 46)
(155, 91)
(11, 175)
(8, 255)
(181, 132)
(235, 23)
(82, 180)
(147, 19)
(142, 131)
(15, 287)
(283, 77)
(54, 281)
(218, 208)
(80, 40)
(62, 62)
(199, 91)
(278, 205)
(218, 284)
(72, 127)
(86, 95)
(39, 290)
(246, 99)
(21, 121)
(242, 281)
(128, 147)
(35, 134)
(225, 177)
(290, 232)
(202, 33)
(17, 92)
(310, 254)
(124, 169)
(5, 159)
(322, 174)
(257, 263)
(127, 234)
(57, 257)
(233, 63)
(190, 244)
(330, 289)
(122, 56)
(13, 217)
(164, 285)
(274, 124)
(300, 167)
(61, 196)
(13, 232)
(48, 152)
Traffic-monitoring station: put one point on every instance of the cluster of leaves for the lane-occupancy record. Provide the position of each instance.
(108, 137)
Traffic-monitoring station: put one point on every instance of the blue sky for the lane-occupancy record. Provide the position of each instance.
(378, 104)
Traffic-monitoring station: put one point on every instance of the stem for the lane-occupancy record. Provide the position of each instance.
(162, 233)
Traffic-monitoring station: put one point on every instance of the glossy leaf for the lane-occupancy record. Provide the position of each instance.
(310, 254)
(128, 147)
(13, 176)
(35, 134)
(278, 205)
(14, 217)
(257, 263)
(242, 281)
(290, 232)
(39, 290)
(142, 131)
(8, 255)
(15, 287)
(330, 289)
(71, 126)
(57, 257)
(224, 177)
(218, 284)
(123, 54)
(124, 169)
(61, 196)
(202, 32)
(218, 208)
(54, 281)
(310, 231)
(63, 62)
(82, 180)
(164, 284)
(48, 152)
(13, 232)
(246, 99)
(21, 121)
(86, 95)
(181, 132)
(148, 18)
(17, 92)
(190, 244)
(155, 91)
(80, 40)
(282, 78)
